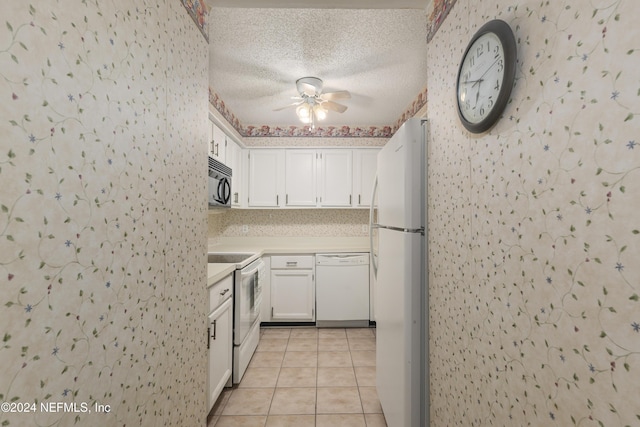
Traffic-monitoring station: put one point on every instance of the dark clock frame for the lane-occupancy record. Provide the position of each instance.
(505, 34)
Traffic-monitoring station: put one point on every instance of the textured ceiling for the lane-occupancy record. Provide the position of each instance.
(257, 54)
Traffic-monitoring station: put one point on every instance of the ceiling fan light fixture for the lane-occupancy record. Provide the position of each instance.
(312, 104)
(303, 112)
(320, 112)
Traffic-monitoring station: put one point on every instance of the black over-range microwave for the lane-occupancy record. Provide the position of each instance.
(219, 184)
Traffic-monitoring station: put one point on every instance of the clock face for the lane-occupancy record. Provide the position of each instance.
(486, 76)
(481, 77)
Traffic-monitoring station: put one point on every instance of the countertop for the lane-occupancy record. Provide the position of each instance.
(217, 272)
(279, 245)
(290, 245)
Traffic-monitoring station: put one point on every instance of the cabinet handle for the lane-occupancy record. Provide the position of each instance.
(277, 199)
(235, 197)
(217, 150)
(208, 332)
(224, 292)
(214, 330)
(211, 147)
(292, 263)
(272, 312)
(286, 199)
(349, 198)
(359, 197)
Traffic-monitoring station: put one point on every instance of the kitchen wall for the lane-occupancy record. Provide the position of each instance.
(102, 268)
(534, 228)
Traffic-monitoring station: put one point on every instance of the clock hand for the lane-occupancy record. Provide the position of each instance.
(490, 66)
(473, 81)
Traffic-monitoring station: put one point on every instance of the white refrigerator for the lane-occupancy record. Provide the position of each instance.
(398, 248)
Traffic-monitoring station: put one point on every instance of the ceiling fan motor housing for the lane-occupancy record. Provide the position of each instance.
(303, 84)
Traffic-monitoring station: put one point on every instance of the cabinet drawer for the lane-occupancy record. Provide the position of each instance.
(220, 292)
(292, 261)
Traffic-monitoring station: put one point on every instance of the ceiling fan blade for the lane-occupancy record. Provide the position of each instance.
(288, 106)
(334, 106)
(339, 94)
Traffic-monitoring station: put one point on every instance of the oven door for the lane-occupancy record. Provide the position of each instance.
(247, 299)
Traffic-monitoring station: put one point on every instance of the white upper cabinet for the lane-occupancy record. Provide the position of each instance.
(310, 178)
(266, 178)
(336, 178)
(364, 173)
(300, 178)
(234, 154)
(218, 143)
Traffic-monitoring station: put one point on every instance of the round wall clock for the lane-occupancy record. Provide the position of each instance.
(486, 75)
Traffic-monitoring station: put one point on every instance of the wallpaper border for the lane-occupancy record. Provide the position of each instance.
(199, 12)
(441, 9)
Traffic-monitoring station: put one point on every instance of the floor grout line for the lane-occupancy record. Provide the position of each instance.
(351, 341)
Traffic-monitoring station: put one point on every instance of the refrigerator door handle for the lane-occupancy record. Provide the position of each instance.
(401, 229)
(372, 226)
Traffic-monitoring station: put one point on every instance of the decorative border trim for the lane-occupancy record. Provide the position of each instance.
(319, 132)
(441, 9)
(417, 104)
(218, 104)
(199, 12)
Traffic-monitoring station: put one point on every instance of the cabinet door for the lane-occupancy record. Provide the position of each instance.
(336, 178)
(234, 161)
(218, 143)
(292, 295)
(300, 177)
(220, 350)
(266, 178)
(365, 164)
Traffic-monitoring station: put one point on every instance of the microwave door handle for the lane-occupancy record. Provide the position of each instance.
(220, 192)
(226, 191)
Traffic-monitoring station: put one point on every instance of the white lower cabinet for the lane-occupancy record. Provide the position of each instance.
(220, 339)
(292, 288)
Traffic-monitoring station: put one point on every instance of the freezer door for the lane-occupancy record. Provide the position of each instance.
(401, 179)
(398, 326)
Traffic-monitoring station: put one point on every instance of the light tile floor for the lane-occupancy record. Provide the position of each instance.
(306, 377)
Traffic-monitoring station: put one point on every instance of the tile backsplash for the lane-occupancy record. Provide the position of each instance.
(289, 223)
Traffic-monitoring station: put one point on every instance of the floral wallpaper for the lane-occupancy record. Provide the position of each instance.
(534, 231)
(103, 124)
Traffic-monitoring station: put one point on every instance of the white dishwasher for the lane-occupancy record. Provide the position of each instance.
(342, 290)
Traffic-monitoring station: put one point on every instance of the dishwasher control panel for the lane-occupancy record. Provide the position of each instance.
(342, 259)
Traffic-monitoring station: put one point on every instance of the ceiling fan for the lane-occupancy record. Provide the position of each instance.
(312, 104)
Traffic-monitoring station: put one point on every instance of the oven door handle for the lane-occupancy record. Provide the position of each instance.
(258, 266)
